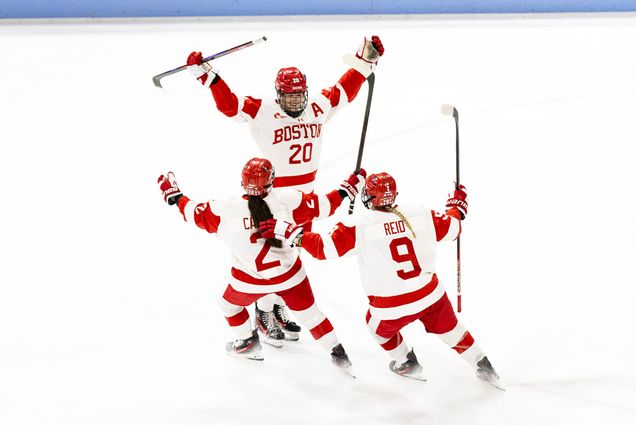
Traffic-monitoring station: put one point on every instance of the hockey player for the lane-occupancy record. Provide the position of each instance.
(259, 266)
(397, 250)
(288, 131)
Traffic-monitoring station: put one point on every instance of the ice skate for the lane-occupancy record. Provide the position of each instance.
(409, 369)
(289, 328)
(339, 358)
(486, 373)
(267, 325)
(249, 348)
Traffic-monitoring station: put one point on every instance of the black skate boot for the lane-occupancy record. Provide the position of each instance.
(249, 348)
(411, 368)
(486, 372)
(339, 358)
(268, 326)
(291, 329)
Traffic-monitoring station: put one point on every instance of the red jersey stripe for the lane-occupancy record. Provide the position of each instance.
(286, 181)
(404, 299)
(351, 82)
(225, 100)
(333, 94)
(246, 278)
(251, 106)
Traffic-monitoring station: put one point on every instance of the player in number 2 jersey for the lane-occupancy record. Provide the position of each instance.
(259, 266)
(288, 131)
(397, 250)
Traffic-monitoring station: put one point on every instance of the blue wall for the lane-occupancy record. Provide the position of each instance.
(156, 8)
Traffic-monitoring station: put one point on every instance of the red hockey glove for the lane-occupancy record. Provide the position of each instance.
(353, 184)
(169, 188)
(377, 43)
(459, 200)
(371, 50)
(284, 231)
(203, 72)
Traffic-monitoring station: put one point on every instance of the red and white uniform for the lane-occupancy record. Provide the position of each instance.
(257, 268)
(293, 145)
(398, 273)
(397, 269)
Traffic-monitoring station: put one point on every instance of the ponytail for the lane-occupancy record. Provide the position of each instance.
(259, 211)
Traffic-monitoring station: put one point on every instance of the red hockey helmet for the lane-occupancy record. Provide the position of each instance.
(290, 80)
(257, 177)
(379, 190)
(291, 87)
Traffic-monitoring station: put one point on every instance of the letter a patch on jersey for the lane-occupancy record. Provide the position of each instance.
(310, 203)
(316, 109)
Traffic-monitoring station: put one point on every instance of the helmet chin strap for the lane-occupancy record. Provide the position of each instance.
(366, 200)
(294, 114)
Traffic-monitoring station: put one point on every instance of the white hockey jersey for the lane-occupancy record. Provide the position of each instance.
(397, 268)
(293, 145)
(256, 266)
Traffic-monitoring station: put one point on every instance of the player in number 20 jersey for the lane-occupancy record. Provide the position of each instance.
(289, 129)
(396, 251)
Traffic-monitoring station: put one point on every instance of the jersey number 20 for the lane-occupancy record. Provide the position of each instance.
(409, 256)
(301, 153)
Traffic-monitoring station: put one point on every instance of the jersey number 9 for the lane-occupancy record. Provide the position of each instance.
(408, 256)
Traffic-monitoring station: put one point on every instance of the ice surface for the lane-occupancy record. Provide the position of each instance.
(108, 309)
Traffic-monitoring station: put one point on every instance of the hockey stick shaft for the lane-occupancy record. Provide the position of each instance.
(157, 78)
(451, 110)
(365, 123)
(459, 259)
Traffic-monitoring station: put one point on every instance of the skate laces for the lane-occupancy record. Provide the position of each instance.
(282, 314)
(271, 321)
(268, 319)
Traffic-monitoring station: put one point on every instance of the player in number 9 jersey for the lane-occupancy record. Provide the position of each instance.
(396, 251)
(288, 131)
(260, 266)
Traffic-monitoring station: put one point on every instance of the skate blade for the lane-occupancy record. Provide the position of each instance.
(497, 384)
(291, 336)
(419, 376)
(348, 371)
(276, 343)
(247, 356)
(416, 376)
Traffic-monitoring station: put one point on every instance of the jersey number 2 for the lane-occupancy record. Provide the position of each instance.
(409, 256)
(306, 150)
(260, 258)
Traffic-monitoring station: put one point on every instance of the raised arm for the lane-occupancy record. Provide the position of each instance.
(362, 64)
(313, 206)
(310, 208)
(448, 226)
(227, 102)
(200, 214)
(337, 243)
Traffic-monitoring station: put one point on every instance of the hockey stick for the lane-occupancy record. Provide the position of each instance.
(451, 110)
(371, 83)
(157, 78)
